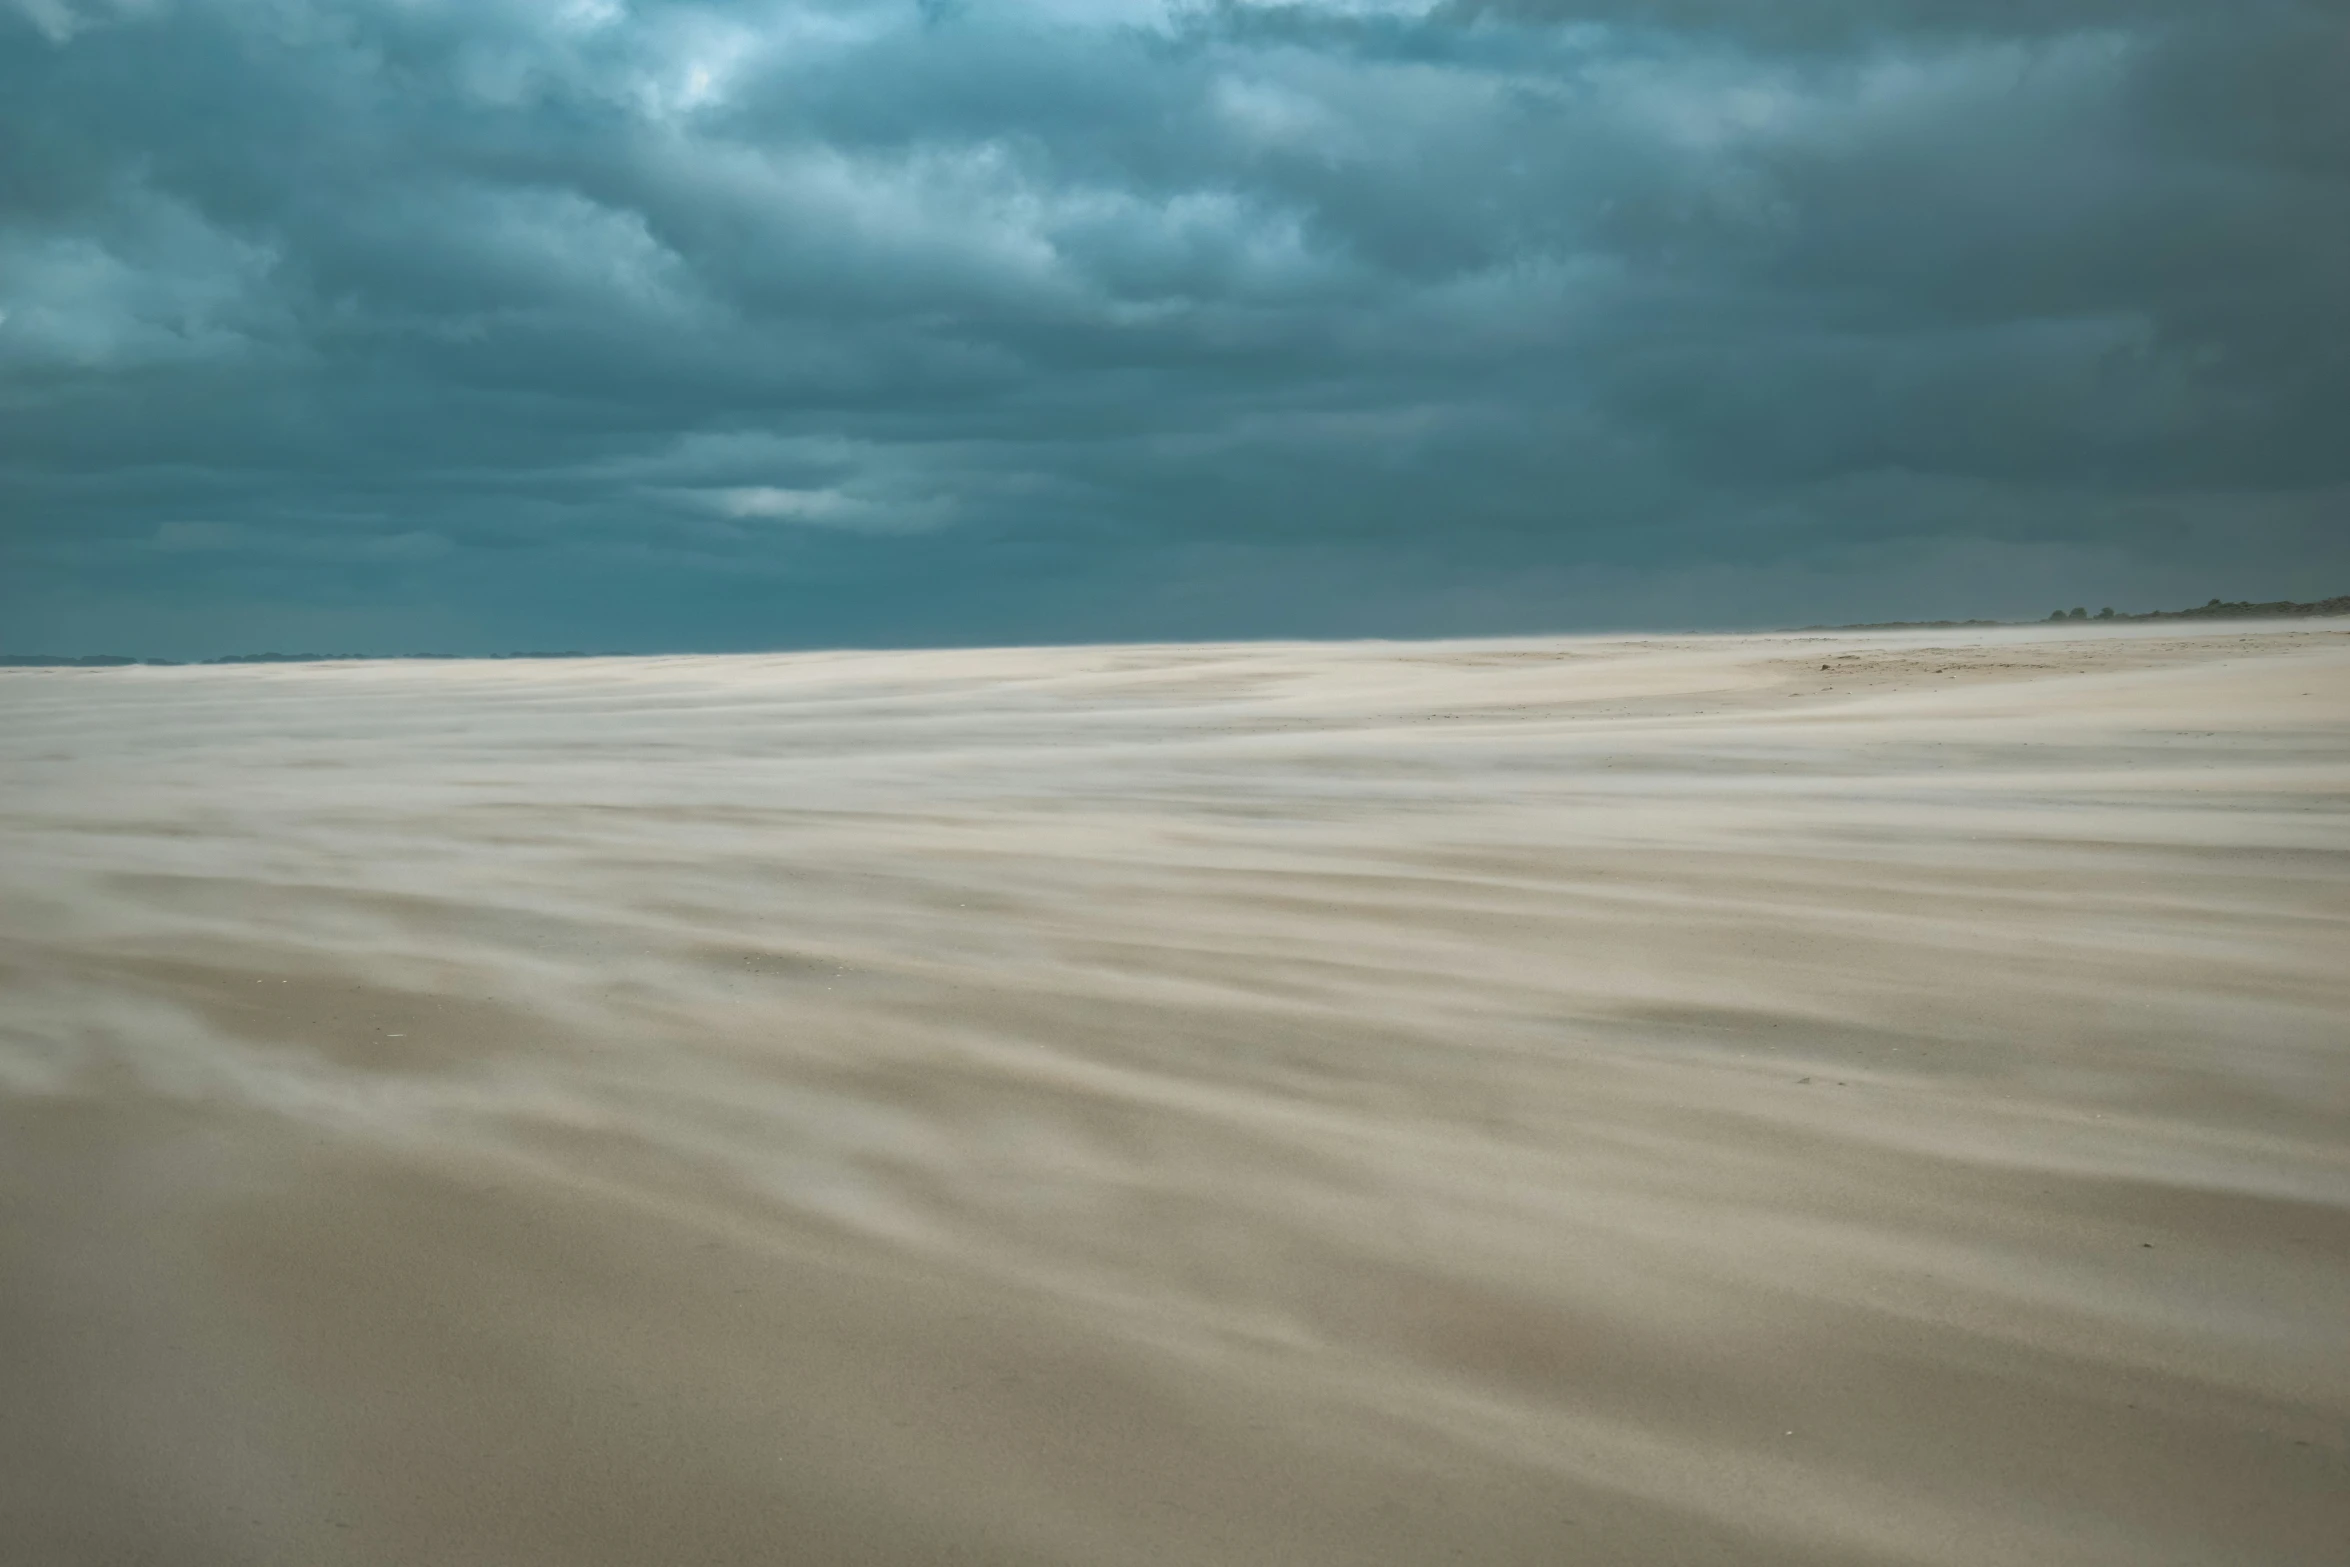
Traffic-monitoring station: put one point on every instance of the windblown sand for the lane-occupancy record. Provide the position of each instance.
(1803, 1099)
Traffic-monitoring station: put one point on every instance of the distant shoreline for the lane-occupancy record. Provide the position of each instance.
(118, 660)
(2217, 609)
(2280, 609)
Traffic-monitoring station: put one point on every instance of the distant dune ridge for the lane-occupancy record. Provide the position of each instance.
(1804, 1099)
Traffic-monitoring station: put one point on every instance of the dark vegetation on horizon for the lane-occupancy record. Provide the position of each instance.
(2217, 609)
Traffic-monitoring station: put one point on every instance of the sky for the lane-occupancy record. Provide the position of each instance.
(488, 325)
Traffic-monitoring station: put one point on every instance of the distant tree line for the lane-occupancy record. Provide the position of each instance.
(2217, 609)
(2220, 609)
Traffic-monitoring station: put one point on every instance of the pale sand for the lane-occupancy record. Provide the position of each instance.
(1571, 1101)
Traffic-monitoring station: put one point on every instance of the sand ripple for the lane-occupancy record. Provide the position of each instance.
(1805, 1099)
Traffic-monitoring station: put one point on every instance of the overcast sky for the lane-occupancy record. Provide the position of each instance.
(495, 324)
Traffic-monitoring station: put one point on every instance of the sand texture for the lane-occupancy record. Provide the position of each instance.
(1813, 1099)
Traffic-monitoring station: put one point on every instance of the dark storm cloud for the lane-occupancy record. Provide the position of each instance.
(665, 324)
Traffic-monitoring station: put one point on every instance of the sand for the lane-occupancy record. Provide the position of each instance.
(1805, 1099)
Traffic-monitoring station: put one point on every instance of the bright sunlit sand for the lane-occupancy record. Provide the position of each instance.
(1803, 1099)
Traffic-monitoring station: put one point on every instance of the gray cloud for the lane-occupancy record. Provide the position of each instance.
(668, 324)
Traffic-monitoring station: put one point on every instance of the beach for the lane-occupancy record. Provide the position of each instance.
(1814, 1098)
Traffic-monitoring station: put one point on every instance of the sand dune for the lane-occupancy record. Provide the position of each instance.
(1803, 1099)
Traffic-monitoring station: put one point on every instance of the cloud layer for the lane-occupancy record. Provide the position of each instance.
(398, 323)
